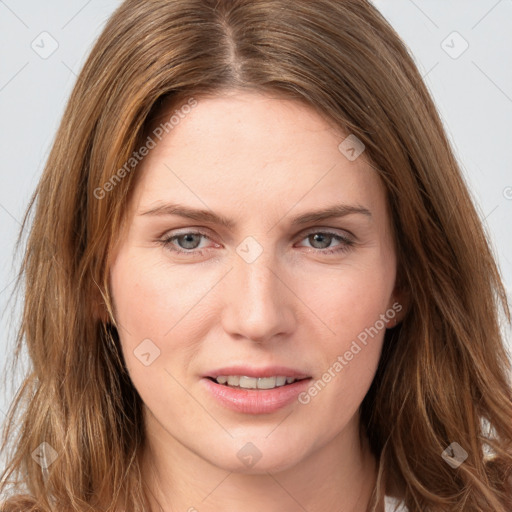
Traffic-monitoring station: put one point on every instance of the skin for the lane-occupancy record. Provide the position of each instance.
(259, 160)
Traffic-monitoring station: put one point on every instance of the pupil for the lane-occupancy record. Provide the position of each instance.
(321, 235)
(187, 240)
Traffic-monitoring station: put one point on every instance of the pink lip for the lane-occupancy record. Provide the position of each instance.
(255, 401)
(269, 371)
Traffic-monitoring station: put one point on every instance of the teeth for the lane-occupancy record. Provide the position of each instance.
(281, 381)
(233, 381)
(245, 382)
(248, 382)
(266, 382)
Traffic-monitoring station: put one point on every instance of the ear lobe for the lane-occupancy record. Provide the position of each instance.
(99, 307)
(100, 313)
(399, 303)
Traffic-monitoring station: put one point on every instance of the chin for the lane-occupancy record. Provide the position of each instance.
(258, 457)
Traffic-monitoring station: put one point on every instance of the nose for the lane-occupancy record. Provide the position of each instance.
(259, 304)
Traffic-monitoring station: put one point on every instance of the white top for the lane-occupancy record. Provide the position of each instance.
(394, 505)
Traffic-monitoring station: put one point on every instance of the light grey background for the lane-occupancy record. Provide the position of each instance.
(473, 92)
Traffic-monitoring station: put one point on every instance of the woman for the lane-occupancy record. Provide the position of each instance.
(195, 344)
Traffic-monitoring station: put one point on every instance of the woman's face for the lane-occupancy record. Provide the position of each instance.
(193, 296)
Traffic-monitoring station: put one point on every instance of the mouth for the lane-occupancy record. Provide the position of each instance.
(255, 383)
(252, 394)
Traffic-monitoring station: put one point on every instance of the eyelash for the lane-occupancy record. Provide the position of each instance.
(345, 247)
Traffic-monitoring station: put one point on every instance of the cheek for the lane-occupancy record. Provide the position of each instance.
(350, 306)
(160, 310)
(147, 296)
(142, 302)
(349, 300)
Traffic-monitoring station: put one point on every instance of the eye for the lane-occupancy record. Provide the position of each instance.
(324, 239)
(188, 242)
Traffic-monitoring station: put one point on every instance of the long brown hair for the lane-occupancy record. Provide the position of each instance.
(444, 374)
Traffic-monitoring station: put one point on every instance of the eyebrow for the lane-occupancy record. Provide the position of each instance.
(330, 212)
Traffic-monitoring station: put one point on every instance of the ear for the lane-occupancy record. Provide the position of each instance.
(99, 306)
(100, 313)
(398, 305)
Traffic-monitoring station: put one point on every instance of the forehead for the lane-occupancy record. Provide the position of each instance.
(253, 150)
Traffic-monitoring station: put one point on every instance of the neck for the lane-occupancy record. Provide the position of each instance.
(339, 476)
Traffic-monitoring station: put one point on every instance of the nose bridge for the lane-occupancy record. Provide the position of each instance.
(255, 268)
(259, 307)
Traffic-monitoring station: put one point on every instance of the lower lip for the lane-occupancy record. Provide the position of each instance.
(261, 401)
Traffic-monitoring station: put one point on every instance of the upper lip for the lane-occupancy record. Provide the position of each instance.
(250, 371)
